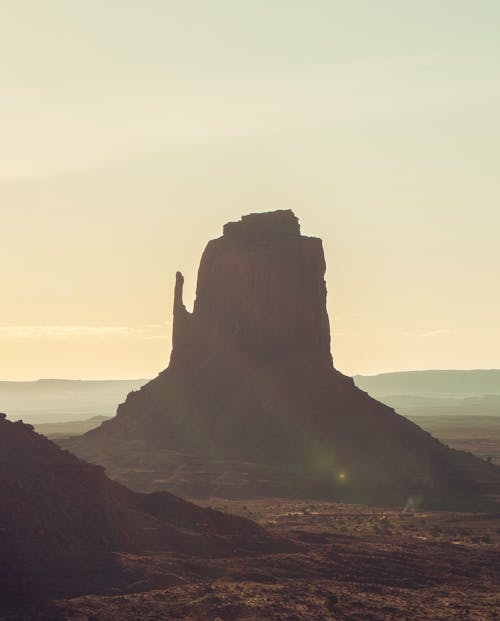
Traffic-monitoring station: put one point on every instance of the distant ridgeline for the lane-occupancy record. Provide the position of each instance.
(474, 392)
(251, 404)
(57, 400)
(462, 393)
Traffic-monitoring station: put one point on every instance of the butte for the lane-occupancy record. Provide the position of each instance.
(252, 405)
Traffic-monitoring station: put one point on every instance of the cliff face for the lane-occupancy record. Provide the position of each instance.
(251, 403)
(261, 293)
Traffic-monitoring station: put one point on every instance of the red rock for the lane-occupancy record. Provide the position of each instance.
(251, 403)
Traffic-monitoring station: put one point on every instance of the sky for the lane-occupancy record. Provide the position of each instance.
(130, 132)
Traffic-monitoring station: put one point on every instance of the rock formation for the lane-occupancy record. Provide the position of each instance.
(251, 403)
(261, 294)
(66, 529)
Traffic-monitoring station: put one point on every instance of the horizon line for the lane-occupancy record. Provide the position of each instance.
(147, 379)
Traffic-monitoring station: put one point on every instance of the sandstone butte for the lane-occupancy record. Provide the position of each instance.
(252, 405)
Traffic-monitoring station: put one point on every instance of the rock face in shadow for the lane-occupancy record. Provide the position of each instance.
(65, 528)
(261, 294)
(251, 403)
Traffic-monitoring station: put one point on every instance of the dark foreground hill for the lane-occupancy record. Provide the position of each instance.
(66, 529)
(252, 405)
(355, 564)
(99, 552)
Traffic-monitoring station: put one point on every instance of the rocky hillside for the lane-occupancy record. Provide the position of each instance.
(65, 528)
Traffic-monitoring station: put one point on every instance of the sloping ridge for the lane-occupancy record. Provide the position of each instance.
(63, 522)
(252, 405)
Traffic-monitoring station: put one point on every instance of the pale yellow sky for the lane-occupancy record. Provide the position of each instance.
(131, 132)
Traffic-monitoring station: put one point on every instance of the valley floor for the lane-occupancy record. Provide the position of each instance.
(477, 434)
(349, 562)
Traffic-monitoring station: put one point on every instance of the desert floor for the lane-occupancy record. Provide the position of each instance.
(349, 562)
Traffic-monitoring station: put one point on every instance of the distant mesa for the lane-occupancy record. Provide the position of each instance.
(251, 404)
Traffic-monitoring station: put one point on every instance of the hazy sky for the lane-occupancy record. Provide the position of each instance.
(130, 132)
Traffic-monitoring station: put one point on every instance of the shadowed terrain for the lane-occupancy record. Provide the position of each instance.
(76, 545)
(65, 528)
(252, 405)
(351, 563)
